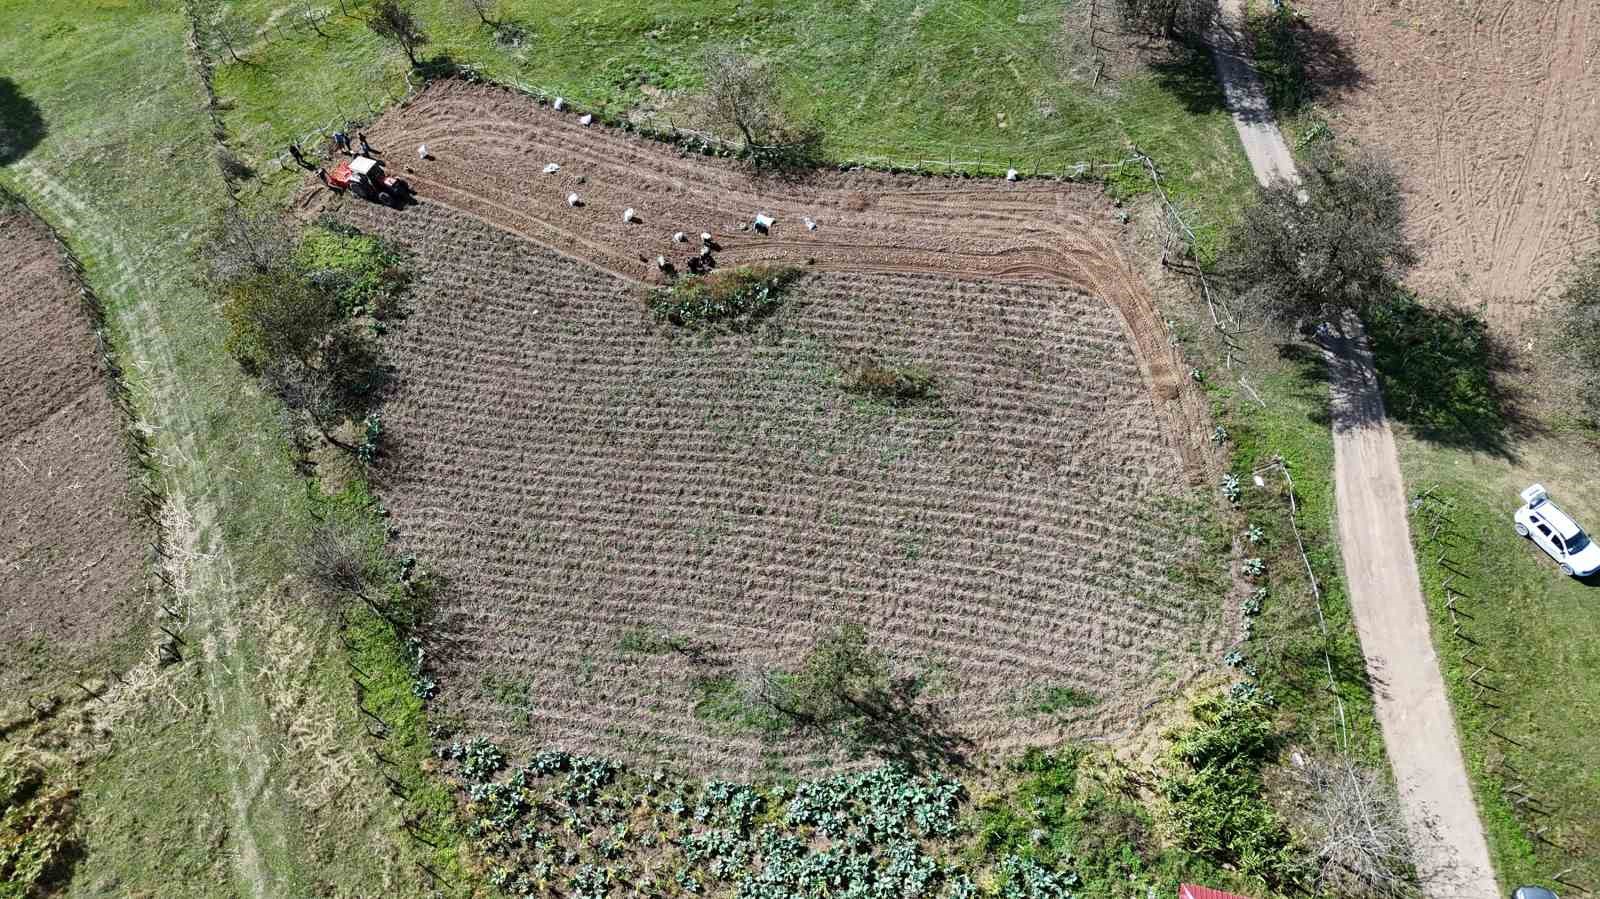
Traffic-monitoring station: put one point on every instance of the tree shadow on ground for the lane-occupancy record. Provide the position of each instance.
(21, 125)
(1297, 63)
(893, 725)
(1444, 374)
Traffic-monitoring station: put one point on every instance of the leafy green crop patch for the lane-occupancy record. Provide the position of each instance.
(734, 298)
(37, 842)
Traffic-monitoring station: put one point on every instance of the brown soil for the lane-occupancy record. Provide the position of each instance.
(69, 560)
(1492, 112)
(583, 475)
(490, 146)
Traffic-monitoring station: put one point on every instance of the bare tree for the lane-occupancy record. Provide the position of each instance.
(1353, 821)
(310, 13)
(334, 559)
(482, 8)
(742, 93)
(242, 245)
(1313, 251)
(396, 22)
(232, 32)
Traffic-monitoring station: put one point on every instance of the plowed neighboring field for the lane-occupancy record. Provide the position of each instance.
(1492, 112)
(68, 555)
(593, 483)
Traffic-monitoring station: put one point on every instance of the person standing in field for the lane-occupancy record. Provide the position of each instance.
(366, 148)
(342, 141)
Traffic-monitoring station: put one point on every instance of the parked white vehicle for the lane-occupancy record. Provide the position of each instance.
(1553, 531)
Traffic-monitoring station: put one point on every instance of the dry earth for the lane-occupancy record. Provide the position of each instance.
(69, 560)
(1492, 110)
(584, 476)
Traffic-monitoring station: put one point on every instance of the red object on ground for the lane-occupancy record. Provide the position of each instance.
(1191, 891)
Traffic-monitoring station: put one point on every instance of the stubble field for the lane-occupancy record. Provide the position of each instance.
(636, 521)
(69, 562)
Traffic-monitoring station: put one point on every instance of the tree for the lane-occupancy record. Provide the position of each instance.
(1334, 244)
(1185, 20)
(242, 245)
(394, 21)
(1353, 824)
(232, 32)
(276, 318)
(482, 8)
(1579, 331)
(742, 94)
(334, 559)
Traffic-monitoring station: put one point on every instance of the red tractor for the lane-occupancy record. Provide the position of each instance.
(364, 177)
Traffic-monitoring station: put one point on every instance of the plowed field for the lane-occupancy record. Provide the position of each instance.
(68, 557)
(587, 478)
(1492, 111)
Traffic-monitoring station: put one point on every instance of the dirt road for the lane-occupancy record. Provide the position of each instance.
(1380, 569)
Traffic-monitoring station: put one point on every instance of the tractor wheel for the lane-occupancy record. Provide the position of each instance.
(386, 198)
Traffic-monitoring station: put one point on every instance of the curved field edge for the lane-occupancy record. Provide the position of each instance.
(188, 788)
(1023, 93)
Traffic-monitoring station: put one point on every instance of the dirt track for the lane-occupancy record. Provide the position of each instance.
(490, 147)
(1492, 111)
(1385, 594)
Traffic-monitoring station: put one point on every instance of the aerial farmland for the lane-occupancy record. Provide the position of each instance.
(480, 448)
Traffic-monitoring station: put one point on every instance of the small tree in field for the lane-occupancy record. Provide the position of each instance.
(1340, 249)
(334, 559)
(394, 21)
(482, 9)
(742, 95)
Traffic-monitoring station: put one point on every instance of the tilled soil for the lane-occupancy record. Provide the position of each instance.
(581, 474)
(489, 148)
(69, 561)
(587, 478)
(1492, 112)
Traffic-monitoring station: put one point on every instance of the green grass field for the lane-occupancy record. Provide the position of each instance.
(1537, 635)
(985, 84)
(198, 790)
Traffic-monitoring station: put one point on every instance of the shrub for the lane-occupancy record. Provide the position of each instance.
(735, 297)
(1215, 795)
(36, 827)
(897, 385)
(1580, 332)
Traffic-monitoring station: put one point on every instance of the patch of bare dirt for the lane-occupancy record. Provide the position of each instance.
(69, 557)
(1492, 109)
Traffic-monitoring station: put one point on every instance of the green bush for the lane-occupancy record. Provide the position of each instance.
(734, 297)
(1215, 795)
(36, 828)
(362, 271)
(897, 385)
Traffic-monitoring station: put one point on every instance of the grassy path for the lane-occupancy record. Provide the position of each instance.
(207, 786)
